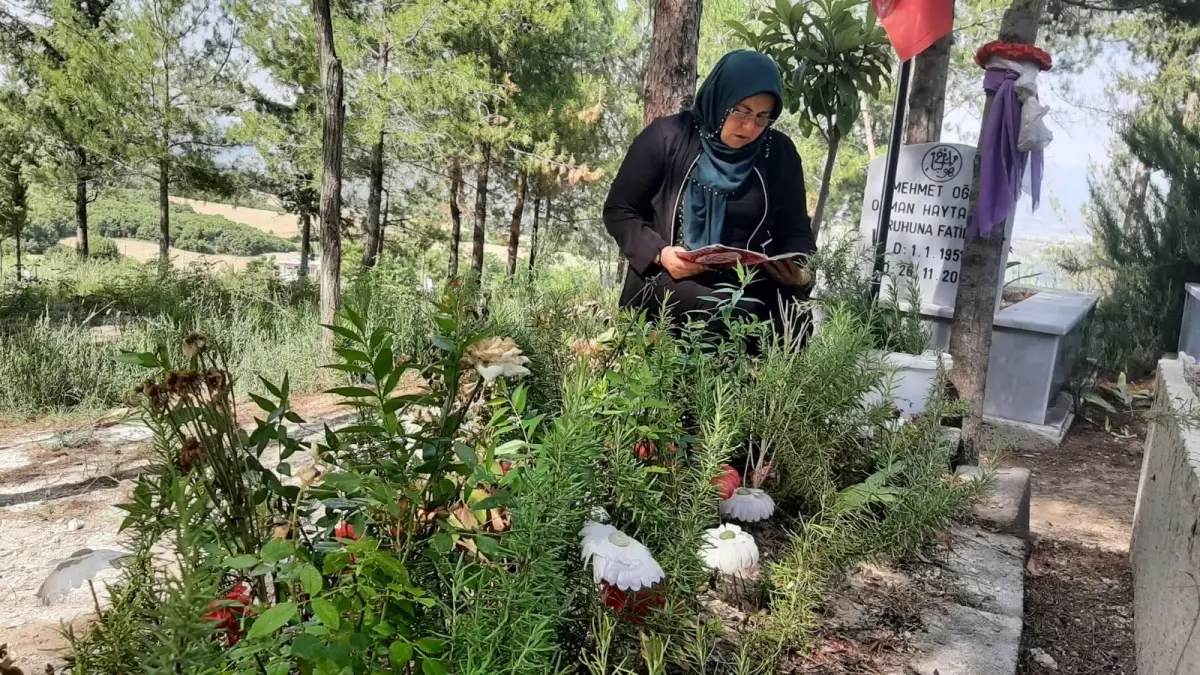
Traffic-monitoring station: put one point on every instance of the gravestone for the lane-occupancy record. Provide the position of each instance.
(928, 222)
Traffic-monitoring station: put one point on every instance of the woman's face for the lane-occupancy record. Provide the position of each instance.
(747, 120)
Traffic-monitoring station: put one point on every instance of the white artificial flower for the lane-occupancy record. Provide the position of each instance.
(618, 559)
(749, 505)
(495, 357)
(729, 549)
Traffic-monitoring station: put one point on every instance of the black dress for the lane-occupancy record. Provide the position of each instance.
(644, 211)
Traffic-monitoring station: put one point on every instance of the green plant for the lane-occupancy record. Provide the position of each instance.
(439, 531)
(131, 214)
(844, 285)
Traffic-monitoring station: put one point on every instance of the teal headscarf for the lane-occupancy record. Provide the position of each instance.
(721, 170)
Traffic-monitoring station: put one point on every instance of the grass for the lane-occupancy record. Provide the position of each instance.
(59, 338)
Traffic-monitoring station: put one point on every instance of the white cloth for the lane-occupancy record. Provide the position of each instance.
(1033, 134)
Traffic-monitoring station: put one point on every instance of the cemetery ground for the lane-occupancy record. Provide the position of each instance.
(60, 480)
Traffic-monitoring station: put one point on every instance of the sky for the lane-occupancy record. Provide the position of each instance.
(1081, 118)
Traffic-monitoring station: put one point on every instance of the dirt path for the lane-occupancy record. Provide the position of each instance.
(59, 487)
(1079, 584)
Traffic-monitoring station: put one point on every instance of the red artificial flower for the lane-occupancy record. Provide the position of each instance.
(761, 475)
(672, 449)
(345, 530)
(645, 449)
(241, 595)
(727, 481)
(505, 467)
(632, 606)
(227, 615)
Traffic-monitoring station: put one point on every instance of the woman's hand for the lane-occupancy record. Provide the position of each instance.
(677, 267)
(786, 273)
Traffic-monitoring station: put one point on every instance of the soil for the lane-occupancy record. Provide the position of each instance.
(59, 485)
(1079, 583)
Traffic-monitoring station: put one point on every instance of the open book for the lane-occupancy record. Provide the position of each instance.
(718, 255)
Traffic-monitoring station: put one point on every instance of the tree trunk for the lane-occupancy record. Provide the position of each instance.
(868, 127)
(835, 139)
(305, 241)
(81, 202)
(331, 171)
(164, 214)
(383, 225)
(481, 195)
(17, 239)
(374, 240)
(1137, 196)
(979, 277)
(671, 74)
(374, 201)
(533, 234)
(514, 234)
(927, 98)
(456, 182)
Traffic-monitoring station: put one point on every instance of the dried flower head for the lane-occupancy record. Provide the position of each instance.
(191, 455)
(156, 394)
(496, 357)
(183, 382)
(194, 345)
(217, 381)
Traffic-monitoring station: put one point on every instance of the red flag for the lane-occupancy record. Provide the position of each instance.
(914, 25)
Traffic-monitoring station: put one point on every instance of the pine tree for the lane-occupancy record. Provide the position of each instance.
(287, 135)
(177, 66)
(1159, 253)
(64, 65)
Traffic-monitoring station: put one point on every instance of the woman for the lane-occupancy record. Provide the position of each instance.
(715, 174)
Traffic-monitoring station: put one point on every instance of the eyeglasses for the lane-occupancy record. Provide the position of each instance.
(760, 121)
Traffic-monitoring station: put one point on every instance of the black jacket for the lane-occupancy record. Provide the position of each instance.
(642, 211)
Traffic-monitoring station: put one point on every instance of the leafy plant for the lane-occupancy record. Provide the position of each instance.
(832, 53)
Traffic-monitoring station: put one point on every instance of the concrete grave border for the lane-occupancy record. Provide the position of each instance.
(1165, 549)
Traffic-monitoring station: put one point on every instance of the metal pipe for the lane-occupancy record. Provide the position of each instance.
(889, 176)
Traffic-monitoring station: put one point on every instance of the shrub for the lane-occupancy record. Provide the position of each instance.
(440, 531)
(843, 285)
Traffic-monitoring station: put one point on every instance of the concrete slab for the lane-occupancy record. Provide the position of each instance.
(1165, 550)
(979, 633)
(1005, 508)
(966, 641)
(1000, 432)
(987, 571)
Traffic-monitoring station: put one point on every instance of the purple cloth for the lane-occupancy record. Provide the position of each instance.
(1002, 166)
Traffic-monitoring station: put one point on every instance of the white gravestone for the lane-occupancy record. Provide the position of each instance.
(928, 223)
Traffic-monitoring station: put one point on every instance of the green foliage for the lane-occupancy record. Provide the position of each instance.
(441, 527)
(59, 338)
(894, 324)
(1152, 254)
(873, 495)
(830, 57)
(132, 215)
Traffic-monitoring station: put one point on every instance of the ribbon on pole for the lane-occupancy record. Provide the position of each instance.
(913, 25)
